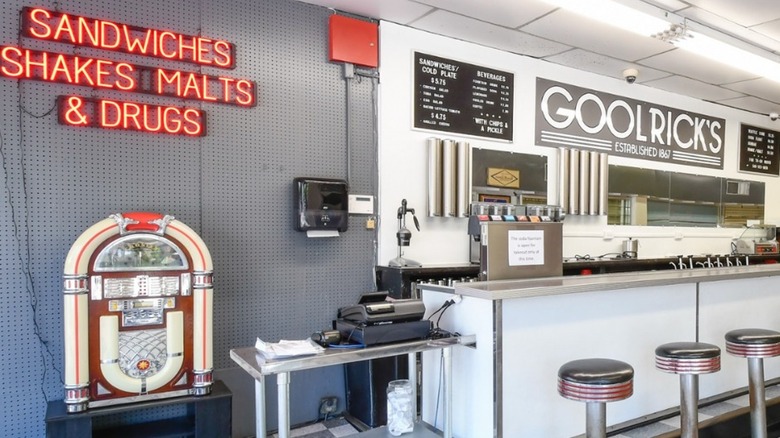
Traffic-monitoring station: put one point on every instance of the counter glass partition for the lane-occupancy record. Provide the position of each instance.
(661, 198)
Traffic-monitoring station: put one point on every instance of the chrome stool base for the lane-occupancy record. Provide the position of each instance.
(755, 345)
(688, 359)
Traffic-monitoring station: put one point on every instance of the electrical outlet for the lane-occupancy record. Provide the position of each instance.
(329, 405)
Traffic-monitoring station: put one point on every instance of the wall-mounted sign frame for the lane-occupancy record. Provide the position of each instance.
(454, 96)
(581, 118)
(758, 150)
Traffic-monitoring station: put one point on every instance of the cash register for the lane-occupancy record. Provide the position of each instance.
(377, 320)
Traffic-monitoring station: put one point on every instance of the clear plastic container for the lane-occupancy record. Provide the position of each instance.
(400, 418)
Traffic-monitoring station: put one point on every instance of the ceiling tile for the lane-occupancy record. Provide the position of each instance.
(726, 28)
(743, 12)
(762, 88)
(604, 65)
(687, 64)
(564, 38)
(507, 13)
(577, 31)
(469, 29)
(690, 87)
(753, 104)
(398, 11)
(770, 29)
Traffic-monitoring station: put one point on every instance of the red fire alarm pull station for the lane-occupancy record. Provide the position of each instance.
(354, 41)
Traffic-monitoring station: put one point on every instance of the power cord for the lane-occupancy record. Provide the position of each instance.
(438, 390)
(438, 332)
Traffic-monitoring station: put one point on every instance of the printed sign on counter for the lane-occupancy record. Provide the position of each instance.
(526, 247)
(454, 96)
(758, 150)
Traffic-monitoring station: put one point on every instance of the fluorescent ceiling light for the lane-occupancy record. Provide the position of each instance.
(668, 27)
(724, 53)
(615, 14)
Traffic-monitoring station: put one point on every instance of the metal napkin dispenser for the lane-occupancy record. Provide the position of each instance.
(321, 204)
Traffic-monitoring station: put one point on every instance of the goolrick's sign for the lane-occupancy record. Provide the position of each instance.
(579, 118)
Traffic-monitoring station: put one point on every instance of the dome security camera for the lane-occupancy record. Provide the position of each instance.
(773, 116)
(630, 75)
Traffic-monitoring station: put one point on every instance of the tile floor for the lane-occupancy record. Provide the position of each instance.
(335, 428)
(339, 427)
(705, 413)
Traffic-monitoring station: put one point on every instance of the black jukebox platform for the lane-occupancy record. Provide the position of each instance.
(207, 416)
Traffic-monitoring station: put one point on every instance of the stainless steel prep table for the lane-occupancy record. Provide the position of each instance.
(258, 367)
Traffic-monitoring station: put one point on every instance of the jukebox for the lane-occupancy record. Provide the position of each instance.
(137, 312)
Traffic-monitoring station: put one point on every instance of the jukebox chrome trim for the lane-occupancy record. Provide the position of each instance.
(75, 284)
(185, 282)
(162, 223)
(203, 279)
(97, 287)
(140, 398)
(76, 398)
(203, 381)
(122, 222)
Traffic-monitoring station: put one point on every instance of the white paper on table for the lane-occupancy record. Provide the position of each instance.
(285, 348)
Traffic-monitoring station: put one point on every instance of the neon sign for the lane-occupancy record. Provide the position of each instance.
(22, 63)
(108, 35)
(132, 116)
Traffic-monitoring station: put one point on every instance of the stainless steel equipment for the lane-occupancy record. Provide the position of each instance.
(510, 249)
(484, 212)
(630, 248)
(404, 236)
(757, 239)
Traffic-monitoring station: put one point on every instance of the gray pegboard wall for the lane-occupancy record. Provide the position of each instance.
(233, 186)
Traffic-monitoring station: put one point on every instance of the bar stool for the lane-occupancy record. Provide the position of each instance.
(755, 344)
(596, 382)
(688, 359)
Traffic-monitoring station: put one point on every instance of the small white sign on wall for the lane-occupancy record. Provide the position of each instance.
(526, 247)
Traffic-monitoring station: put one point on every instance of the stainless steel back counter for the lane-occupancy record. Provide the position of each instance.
(533, 287)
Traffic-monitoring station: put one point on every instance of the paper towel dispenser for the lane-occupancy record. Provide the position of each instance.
(321, 204)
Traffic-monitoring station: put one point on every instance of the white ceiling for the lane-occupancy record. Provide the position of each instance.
(534, 28)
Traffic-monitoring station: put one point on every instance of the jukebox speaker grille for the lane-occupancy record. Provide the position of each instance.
(142, 353)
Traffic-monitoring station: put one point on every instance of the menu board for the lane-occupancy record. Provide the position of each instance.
(758, 150)
(454, 96)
